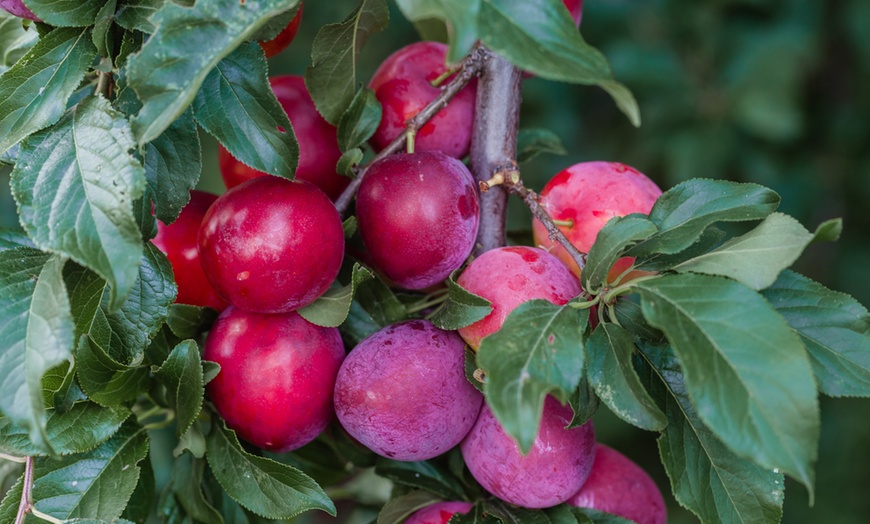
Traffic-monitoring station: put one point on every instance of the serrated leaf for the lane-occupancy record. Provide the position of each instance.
(332, 308)
(629, 315)
(209, 371)
(11, 238)
(75, 184)
(182, 376)
(756, 258)
(33, 92)
(539, 36)
(348, 160)
(36, 331)
(727, 338)
(683, 212)
(349, 226)
(459, 15)
(331, 77)
(706, 477)
(835, 329)
(186, 321)
(397, 510)
(102, 36)
(360, 121)
(15, 40)
(608, 354)
(187, 486)
(66, 13)
(616, 235)
(476, 515)
(139, 507)
(192, 440)
(187, 44)
(471, 369)
(237, 106)
(538, 351)
(462, 308)
(377, 299)
(534, 142)
(709, 240)
(584, 402)
(173, 163)
(421, 475)
(96, 521)
(84, 427)
(510, 514)
(268, 488)
(135, 15)
(131, 42)
(105, 380)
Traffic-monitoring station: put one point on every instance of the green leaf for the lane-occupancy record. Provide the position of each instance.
(187, 44)
(728, 338)
(102, 36)
(534, 142)
(380, 302)
(75, 184)
(706, 477)
(96, 521)
(349, 226)
(332, 308)
(131, 42)
(331, 77)
(629, 315)
(182, 376)
(11, 238)
(462, 308)
(538, 351)
(758, 257)
(105, 380)
(173, 163)
(593, 516)
(459, 15)
(66, 13)
(360, 121)
(829, 230)
(33, 92)
(616, 383)
(187, 486)
(348, 160)
(398, 509)
(478, 514)
(471, 368)
(539, 36)
(514, 514)
(421, 475)
(134, 15)
(139, 507)
(237, 106)
(192, 440)
(616, 235)
(209, 371)
(15, 40)
(834, 327)
(683, 212)
(584, 402)
(186, 321)
(36, 334)
(709, 239)
(268, 488)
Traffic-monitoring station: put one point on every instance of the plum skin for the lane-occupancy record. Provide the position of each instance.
(17, 8)
(257, 243)
(418, 217)
(619, 486)
(277, 376)
(555, 468)
(282, 40)
(402, 392)
(590, 194)
(509, 276)
(402, 84)
(318, 144)
(178, 242)
(438, 513)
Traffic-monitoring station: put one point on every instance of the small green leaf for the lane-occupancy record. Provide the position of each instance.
(616, 383)
(534, 142)
(135, 15)
(15, 40)
(237, 106)
(379, 301)
(462, 308)
(66, 13)
(331, 77)
(629, 315)
(105, 380)
(187, 44)
(102, 36)
(514, 514)
(33, 92)
(182, 376)
(131, 42)
(12, 238)
(192, 440)
(593, 516)
(835, 329)
(683, 212)
(398, 509)
(332, 308)
(471, 368)
(209, 371)
(421, 475)
(728, 338)
(139, 507)
(478, 514)
(187, 486)
(459, 15)
(360, 121)
(349, 160)
(186, 321)
(349, 226)
(756, 258)
(709, 240)
(75, 184)
(584, 403)
(538, 351)
(829, 230)
(616, 235)
(268, 488)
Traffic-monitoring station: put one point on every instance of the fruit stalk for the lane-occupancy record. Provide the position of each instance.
(468, 69)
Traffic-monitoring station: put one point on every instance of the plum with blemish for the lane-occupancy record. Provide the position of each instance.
(438, 513)
(17, 8)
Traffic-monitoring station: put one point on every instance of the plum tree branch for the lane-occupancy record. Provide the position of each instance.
(466, 71)
(26, 505)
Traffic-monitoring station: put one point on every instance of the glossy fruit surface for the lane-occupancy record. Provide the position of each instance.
(271, 245)
(277, 376)
(403, 86)
(554, 469)
(575, 7)
(418, 216)
(619, 486)
(178, 242)
(402, 392)
(17, 8)
(438, 513)
(509, 276)
(588, 195)
(282, 40)
(318, 145)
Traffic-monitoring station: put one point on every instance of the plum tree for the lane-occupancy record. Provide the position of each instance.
(257, 252)
(418, 217)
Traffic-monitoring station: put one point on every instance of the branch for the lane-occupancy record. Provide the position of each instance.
(26, 505)
(467, 69)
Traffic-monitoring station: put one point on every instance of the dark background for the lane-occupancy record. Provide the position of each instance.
(769, 91)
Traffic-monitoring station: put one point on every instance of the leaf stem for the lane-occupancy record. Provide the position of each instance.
(467, 70)
(13, 458)
(626, 288)
(26, 505)
(43, 516)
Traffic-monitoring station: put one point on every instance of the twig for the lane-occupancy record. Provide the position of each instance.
(468, 68)
(26, 505)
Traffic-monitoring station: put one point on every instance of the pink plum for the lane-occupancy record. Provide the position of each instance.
(17, 8)
(438, 513)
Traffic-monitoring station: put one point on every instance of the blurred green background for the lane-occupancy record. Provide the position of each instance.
(770, 91)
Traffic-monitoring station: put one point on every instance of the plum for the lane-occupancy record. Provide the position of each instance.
(438, 513)
(282, 40)
(17, 8)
